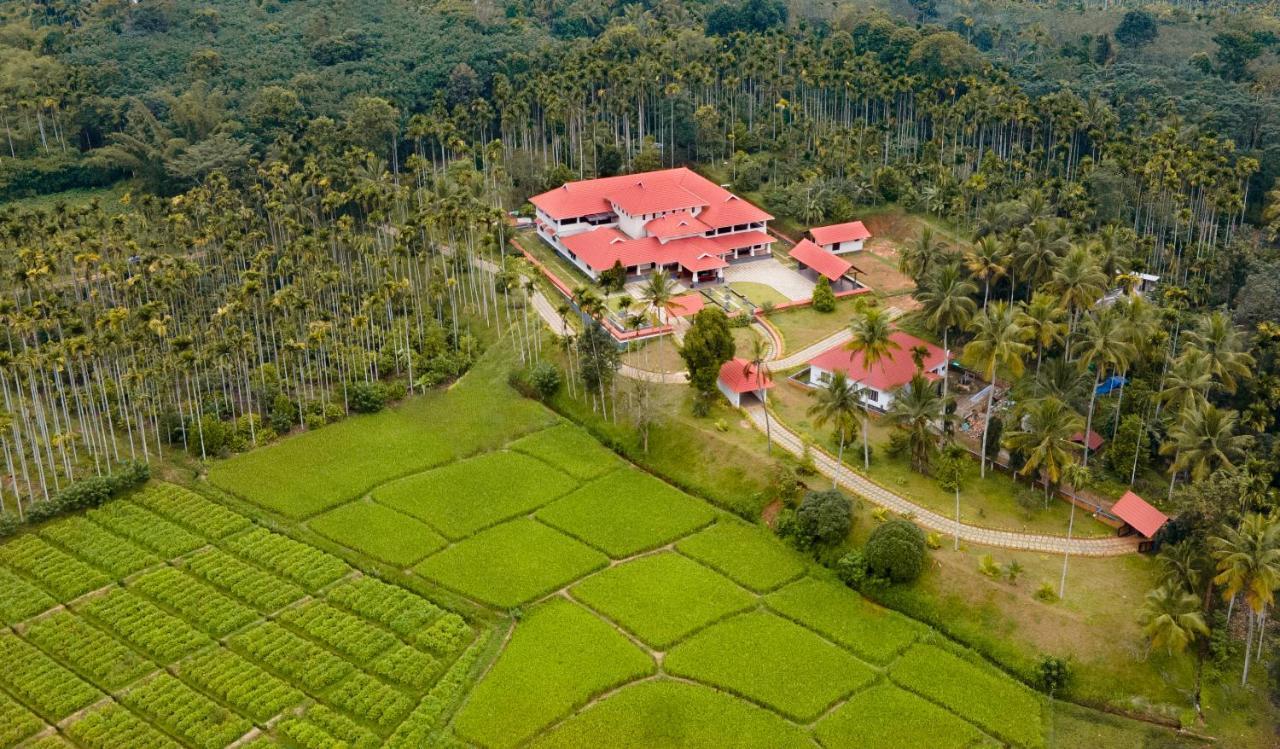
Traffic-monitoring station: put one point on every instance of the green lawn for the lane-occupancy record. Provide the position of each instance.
(804, 326)
(560, 656)
(380, 532)
(626, 512)
(885, 717)
(1006, 709)
(770, 660)
(571, 450)
(751, 556)
(511, 564)
(662, 598)
(760, 294)
(842, 616)
(674, 714)
(464, 497)
(314, 471)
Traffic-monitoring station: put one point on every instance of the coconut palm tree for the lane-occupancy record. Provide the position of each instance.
(947, 304)
(758, 367)
(1225, 346)
(996, 346)
(1045, 439)
(872, 339)
(987, 261)
(1044, 320)
(838, 403)
(1248, 562)
(1078, 282)
(1107, 346)
(1171, 618)
(1187, 383)
(915, 410)
(917, 258)
(1204, 440)
(1077, 477)
(657, 294)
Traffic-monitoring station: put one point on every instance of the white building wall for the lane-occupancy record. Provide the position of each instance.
(632, 226)
(837, 248)
(732, 396)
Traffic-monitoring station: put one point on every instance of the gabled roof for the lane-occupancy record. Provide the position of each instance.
(849, 232)
(650, 192)
(673, 225)
(686, 305)
(741, 239)
(1141, 516)
(739, 375)
(890, 372)
(601, 248)
(820, 260)
(1095, 439)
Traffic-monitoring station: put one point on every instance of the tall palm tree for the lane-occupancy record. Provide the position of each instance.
(1203, 440)
(1215, 335)
(1040, 246)
(758, 367)
(1045, 439)
(871, 338)
(838, 403)
(1077, 477)
(657, 294)
(1107, 346)
(996, 346)
(1078, 282)
(1044, 320)
(1171, 618)
(987, 261)
(917, 258)
(1248, 562)
(914, 410)
(947, 303)
(1187, 383)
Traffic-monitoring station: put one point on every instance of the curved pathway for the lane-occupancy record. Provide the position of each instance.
(873, 492)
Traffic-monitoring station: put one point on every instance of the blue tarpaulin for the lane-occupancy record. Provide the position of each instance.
(1114, 382)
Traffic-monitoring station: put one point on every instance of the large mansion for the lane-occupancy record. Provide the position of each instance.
(673, 220)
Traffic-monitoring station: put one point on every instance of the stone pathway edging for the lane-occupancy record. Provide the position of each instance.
(872, 492)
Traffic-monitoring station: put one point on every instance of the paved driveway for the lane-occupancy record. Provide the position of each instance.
(770, 272)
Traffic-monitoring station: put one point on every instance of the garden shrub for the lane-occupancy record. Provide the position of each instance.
(826, 516)
(824, 299)
(366, 397)
(284, 414)
(1052, 673)
(852, 570)
(896, 550)
(545, 378)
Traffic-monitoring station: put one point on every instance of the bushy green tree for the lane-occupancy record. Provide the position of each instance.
(825, 516)
(707, 345)
(896, 550)
(1138, 27)
(545, 378)
(367, 397)
(824, 299)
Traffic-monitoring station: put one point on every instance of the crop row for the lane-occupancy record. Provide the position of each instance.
(185, 507)
(112, 726)
(307, 664)
(16, 722)
(239, 683)
(406, 666)
(95, 654)
(262, 590)
(322, 726)
(57, 571)
(37, 680)
(97, 545)
(147, 528)
(391, 606)
(20, 599)
(344, 632)
(186, 713)
(196, 601)
(144, 625)
(303, 564)
(430, 712)
(446, 635)
(368, 699)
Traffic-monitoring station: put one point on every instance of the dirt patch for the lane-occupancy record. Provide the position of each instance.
(879, 268)
(770, 512)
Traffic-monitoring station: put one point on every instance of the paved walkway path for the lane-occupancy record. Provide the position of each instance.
(872, 492)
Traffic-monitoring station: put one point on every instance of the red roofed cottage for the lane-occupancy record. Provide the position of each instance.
(739, 377)
(674, 220)
(840, 238)
(879, 381)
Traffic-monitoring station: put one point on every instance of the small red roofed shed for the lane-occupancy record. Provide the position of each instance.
(810, 255)
(1138, 515)
(838, 238)
(739, 377)
(1095, 440)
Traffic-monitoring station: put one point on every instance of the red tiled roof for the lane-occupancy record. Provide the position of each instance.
(741, 239)
(675, 225)
(820, 260)
(1141, 516)
(739, 375)
(650, 192)
(1095, 439)
(601, 248)
(890, 372)
(850, 232)
(687, 304)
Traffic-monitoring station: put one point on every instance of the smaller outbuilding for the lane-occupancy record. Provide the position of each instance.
(740, 380)
(840, 238)
(1095, 440)
(1139, 517)
(815, 262)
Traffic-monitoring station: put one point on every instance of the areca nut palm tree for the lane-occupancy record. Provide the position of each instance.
(1078, 477)
(1248, 562)
(871, 337)
(838, 403)
(757, 366)
(1045, 438)
(1107, 346)
(997, 345)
